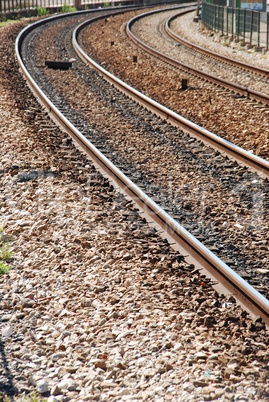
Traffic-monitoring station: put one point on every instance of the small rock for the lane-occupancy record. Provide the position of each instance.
(238, 226)
(123, 392)
(108, 384)
(201, 355)
(55, 390)
(7, 332)
(52, 399)
(149, 373)
(222, 359)
(86, 302)
(100, 364)
(68, 385)
(6, 318)
(263, 271)
(188, 387)
(178, 346)
(42, 386)
(200, 382)
(121, 366)
(168, 367)
(57, 356)
(71, 369)
(209, 322)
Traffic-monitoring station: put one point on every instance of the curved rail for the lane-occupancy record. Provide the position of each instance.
(260, 165)
(246, 294)
(209, 53)
(243, 91)
(239, 154)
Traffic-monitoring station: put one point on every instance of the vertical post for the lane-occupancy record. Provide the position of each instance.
(184, 84)
(232, 22)
(238, 21)
(258, 28)
(227, 21)
(222, 17)
(251, 26)
(237, 11)
(267, 31)
(198, 8)
(244, 25)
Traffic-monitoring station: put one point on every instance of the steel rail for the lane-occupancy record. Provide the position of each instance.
(242, 156)
(240, 89)
(252, 300)
(209, 53)
(260, 165)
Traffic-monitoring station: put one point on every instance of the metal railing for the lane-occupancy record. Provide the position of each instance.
(11, 9)
(248, 26)
(24, 8)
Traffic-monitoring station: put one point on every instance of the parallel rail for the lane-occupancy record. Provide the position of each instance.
(239, 89)
(260, 165)
(209, 53)
(252, 300)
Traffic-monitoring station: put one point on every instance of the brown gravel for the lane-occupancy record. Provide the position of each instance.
(227, 213)
(244, 123)
(96, 305)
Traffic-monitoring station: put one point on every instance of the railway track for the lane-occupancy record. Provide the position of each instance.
(174, 230)
(191, 246)
(99, 305)
(246, 123)
(210, 70)
(260, 165)
(213, 55)
(242, 273)
(239, 89)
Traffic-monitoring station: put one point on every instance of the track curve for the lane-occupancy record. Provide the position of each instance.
(214, 55)
(243, 91)
(172, 226)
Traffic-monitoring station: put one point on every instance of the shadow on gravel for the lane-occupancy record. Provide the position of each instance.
(7, 388)
(33, 175)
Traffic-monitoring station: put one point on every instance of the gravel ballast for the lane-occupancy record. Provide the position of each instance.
(224, 204)
(97, 306)
(239, 120)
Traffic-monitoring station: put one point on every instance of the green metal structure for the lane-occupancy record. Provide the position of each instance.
(247, 25)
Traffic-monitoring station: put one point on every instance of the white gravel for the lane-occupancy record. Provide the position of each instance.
(201, 35)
